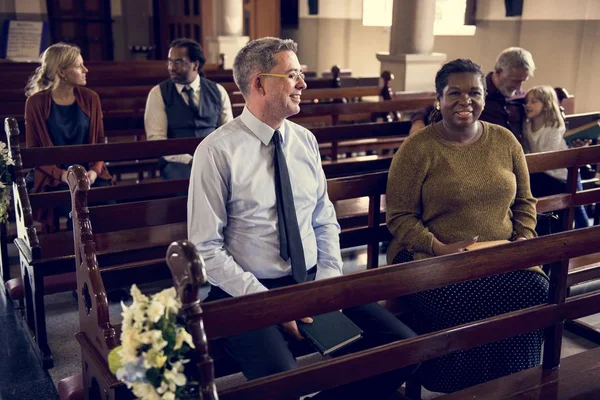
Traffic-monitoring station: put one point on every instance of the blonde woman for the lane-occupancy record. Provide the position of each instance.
(60, 111)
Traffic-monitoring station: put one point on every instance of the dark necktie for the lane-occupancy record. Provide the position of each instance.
(190, 94)
(290, 242)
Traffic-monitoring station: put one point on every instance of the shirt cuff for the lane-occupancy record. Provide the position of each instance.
(326, 273)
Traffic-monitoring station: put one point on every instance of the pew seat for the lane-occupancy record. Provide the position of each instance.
(71, 388)
(577, 378)
(581, 267)
(52, 284)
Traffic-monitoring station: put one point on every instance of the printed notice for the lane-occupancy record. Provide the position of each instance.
(24, 40)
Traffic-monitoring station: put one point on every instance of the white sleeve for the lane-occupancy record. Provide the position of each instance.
(207, 217)
(155, 123)
(326, 227)
(226, 111)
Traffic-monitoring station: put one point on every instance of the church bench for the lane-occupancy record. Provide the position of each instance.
(250, 312)
(577, 377)
(332, 140)
(38, 267)
(118, 91)
(92, 351)
(45, 257)
(332, 114)
(109, 73)
(123, 108)
(336, 140)
(105, 219)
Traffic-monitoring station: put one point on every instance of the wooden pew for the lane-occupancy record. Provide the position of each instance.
(109, 73)
(248, 313)
(96, 224)
(129, 126)
(119, 92)
(43, 263)
(340, 189)
(45, 156)
(290, 303)
(47, 260)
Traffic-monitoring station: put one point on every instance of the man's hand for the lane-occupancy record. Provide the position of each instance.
(63, 176)
(441, 249)
(292, 328)
(92, 175)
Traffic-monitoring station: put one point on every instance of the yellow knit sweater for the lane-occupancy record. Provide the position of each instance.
(455, 193)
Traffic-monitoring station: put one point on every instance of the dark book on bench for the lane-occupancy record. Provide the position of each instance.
(330, 332)
(587, 131)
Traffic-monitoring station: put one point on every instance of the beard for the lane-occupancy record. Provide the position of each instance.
(180, 78)
(508, 93)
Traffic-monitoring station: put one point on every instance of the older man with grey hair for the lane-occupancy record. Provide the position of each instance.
(504, 101)
(256, 232)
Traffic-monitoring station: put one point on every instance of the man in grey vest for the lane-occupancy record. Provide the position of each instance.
(186, 105)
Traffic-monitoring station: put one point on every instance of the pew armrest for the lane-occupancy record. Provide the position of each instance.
(24, 249)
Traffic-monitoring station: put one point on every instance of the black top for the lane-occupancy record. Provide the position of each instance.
(68, 125)
(182, 122)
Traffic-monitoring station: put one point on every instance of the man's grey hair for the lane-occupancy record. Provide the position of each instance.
(515, 57)
(258, 56)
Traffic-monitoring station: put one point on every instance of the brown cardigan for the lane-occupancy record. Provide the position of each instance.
(37, 111)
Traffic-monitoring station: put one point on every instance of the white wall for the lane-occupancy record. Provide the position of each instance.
(554, 10)
(564, 39)
(30, 7)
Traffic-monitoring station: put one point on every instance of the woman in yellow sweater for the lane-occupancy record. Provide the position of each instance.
(456, 182)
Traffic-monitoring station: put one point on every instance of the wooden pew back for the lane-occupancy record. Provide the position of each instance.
(289, 303)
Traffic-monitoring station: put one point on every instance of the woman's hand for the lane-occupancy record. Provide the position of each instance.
(92, 175)
(581, 143)
(441, 249)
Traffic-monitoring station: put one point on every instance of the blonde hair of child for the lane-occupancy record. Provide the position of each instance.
(58, 56)
(550, 106)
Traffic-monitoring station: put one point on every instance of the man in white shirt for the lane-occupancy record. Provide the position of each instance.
(186, 105)
(256, 233)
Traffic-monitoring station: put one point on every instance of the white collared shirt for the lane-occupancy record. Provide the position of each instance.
(232, 214)
(155, 116)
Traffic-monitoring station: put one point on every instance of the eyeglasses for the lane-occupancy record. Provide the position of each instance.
(180, 62)
(295, 76)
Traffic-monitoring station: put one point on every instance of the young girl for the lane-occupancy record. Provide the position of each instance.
(543, 131)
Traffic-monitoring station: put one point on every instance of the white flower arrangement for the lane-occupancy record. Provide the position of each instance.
(154, 345)
(5, 182)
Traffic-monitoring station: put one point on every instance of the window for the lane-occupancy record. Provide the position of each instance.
(449, 16)
(377, 12)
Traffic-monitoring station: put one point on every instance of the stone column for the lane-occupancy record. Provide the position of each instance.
(230, 29)
(410, 58)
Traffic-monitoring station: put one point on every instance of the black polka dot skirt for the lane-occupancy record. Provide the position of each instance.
(465, 302)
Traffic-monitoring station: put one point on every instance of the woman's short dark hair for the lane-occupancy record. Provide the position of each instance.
(457, 66)
(194, 50)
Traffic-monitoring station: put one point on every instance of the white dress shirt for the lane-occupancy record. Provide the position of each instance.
(232, 214)
(155, 116)
(547, 138)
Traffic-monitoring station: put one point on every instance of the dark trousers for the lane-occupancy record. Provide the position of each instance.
(175, 170)
(267, 351)
(545, 185)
